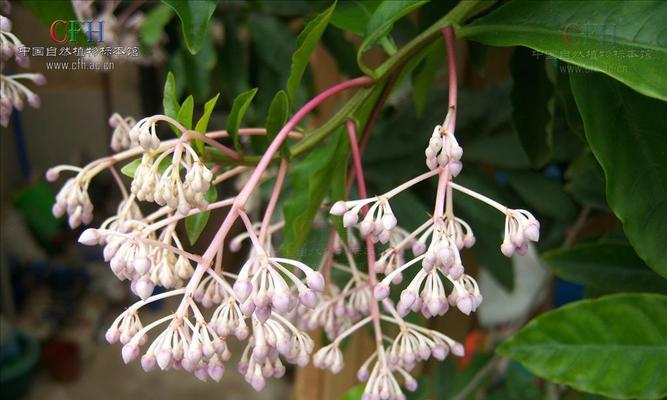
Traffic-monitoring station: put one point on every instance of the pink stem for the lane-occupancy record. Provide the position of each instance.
(444, 176)
(282, 171)
(223, 149)
(247, 190)
(370, 248)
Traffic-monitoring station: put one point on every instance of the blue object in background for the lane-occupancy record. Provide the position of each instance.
(567, 292)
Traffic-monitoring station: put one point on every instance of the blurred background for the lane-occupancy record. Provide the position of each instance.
(58, 298)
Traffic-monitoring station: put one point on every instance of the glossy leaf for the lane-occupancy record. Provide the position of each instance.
(626, 132)
(532, 105)
(585, 182)
(606, 265)
(185, 112)
(615, 346)
(543, 195)
(239, 107)
(383, 19)
(195, 224)
(305, 44)
(130, 168)
(277, 117)
(156, 19)
(311, 183)
(566, 100)
(195, 17)
(623, 39)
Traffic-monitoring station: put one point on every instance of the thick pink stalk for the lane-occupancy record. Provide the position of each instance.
(244, 194)
(444, 176)
(282, 171)
(370, 247)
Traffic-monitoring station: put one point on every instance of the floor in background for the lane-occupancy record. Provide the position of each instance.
(104, 377)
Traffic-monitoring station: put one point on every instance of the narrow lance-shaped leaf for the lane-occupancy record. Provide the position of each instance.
(532, 105)
(277, 117)
(185, 112)
(605, 265)
(305, 44)
(626, 132)
(169, 99)
(195, 17)
(202, 124)
(239, 107)
(195, 224)
(623, 39)
(615, 346)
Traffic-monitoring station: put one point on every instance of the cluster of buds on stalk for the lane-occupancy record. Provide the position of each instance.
(272, 300)
(13, 90)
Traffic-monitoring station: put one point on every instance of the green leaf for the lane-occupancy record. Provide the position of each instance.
(626, 132)
(277, 117)
(305, 44)
(202, 123)
(156, 19)
(381, 22)
(608, 266)
(239, 107)
(355, 393)
(195, 224)
(170, 100)
(197, 68)
(130, 168)
(422, 81)
(48, 11)
(311, 182)
(532, 105)
(185, 112)
(623, 39)
(566, 101)
(353, 15)
(615, 346)
(195, 17)
(585, 182)
(542, 194)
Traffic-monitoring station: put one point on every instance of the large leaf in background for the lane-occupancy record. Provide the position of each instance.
(234, 74)
(195, 224)
(623, 39)
(626, 132)
(615, 346)
(486, 223)
(195, 17)
(542, 194)
(502, 150)
(607, 266)
(311, 183)
(156, 19)
(532, 105)
(353, 15)
(566, 100)
(305, 44)
(422, 79)
(239, 107)
(585, 182)
(381, 22)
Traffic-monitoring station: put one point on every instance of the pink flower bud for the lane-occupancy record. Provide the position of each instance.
(89, 237)
(308, 298)
(164, 359)
(532, 232)
(144, 288)
(242, 289)
(455, 168)
(507, 249)
(464, 304)
(458, 350)
(52, 174)
(349, 219)
(216, 371)
(338, 208)
(389, 221)
(315, 281)
(381, 291)
(129, 352)
(148, 362)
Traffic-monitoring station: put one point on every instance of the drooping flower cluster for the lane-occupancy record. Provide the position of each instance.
(444, 151)
(13, 91)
